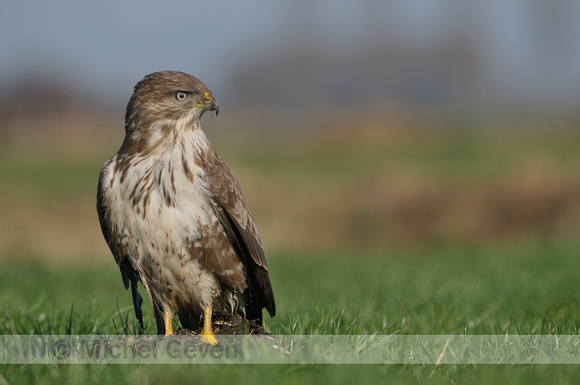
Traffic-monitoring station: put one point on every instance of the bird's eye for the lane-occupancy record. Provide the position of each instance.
(181, 95)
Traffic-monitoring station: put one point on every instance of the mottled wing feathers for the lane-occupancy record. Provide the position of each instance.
(231, 209)
(128, 273)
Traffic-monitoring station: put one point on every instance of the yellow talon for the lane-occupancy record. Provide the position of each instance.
(207, 335)
(167, 317)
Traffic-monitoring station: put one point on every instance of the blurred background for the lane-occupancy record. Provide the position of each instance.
(350, 125)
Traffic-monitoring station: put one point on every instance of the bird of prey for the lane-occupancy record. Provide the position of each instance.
(174, 216)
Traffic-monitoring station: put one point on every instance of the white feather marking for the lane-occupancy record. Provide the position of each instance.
(168, 226)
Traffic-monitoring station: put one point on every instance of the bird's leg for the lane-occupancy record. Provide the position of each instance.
(167, 318)
(207, 335)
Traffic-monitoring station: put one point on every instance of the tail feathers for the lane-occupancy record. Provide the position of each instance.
(253, 312)
(190, 320)
(137, 302)
(159, 320)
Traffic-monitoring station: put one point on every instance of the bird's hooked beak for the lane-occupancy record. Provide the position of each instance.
(209, 103)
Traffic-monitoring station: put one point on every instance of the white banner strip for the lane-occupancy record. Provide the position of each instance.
(281, 349)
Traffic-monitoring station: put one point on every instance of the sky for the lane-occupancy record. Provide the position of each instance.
(102, 48)
(112, 44)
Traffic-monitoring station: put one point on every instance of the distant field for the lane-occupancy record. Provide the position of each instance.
(400, 183)
(369, 227)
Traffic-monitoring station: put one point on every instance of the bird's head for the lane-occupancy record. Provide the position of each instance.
(168, 97)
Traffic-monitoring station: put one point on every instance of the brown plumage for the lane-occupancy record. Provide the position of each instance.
(173, 213)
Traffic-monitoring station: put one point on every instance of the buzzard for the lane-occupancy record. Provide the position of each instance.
(174, 216)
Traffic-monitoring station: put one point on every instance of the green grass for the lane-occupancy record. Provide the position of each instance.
(523, 289)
